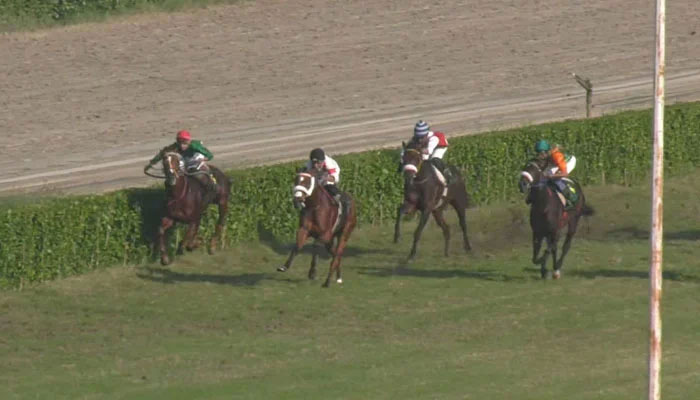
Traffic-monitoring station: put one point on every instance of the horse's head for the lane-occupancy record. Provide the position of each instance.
(411, 161)
(531, 174)
(304, 186)
(173, 167)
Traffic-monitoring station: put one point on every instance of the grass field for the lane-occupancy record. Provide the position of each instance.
(477, 326)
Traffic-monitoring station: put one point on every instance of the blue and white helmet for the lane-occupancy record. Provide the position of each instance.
(422, 128)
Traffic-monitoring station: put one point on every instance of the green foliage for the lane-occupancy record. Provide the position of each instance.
(47, 12)
(60, 237)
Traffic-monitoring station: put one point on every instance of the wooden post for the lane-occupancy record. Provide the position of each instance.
(588, 86)
(657, 207)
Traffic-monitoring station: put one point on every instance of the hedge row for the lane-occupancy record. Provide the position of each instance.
(61, 237)
(65, 10)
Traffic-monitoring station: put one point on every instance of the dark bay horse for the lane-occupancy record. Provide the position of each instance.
(320, 219)
(548, 216)
(424, 191)
(187, 200)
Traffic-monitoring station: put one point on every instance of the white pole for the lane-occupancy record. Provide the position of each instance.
(657, 208)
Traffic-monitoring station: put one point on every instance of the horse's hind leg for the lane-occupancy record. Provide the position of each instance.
(565, 249)
(223, 211)
(461, 214)
(337, 256)
(440, 219)
(416, 235)
(302, 235)
(165, 224)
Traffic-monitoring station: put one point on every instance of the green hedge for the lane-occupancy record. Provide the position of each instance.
(61, 237)
(32, 12)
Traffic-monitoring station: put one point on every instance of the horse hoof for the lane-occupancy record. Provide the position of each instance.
(312, 277)
(282, 269)
(557, 274)
(165, 260)
(339, 280)
(326, 285)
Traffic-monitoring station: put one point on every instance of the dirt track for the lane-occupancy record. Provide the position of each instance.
(84, 107)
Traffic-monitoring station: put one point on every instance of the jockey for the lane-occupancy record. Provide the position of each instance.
(559, 166)
(433, 146)
(195, 156)
(319, 161)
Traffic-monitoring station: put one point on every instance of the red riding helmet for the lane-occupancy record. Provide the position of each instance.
(183, 135)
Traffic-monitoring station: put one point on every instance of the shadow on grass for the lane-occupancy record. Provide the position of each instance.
(166, 276)
(643, 234)
(404, 270)
(284, 247)
(615, 273)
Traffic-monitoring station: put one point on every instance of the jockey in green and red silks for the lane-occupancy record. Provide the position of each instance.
(194, 155)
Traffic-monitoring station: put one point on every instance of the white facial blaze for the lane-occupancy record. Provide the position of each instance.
(300, 189)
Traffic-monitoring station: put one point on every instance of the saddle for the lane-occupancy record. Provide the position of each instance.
(565, 189)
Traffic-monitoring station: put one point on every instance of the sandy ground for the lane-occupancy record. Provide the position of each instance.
(84, 107)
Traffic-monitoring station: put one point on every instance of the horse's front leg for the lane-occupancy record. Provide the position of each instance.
(552, 241)
(314, 260)
(405, 208)
(564, 250)
(536, 247)
(416, 235)
(165, 224)
(190, 239)
(338, 255)
(302, 235)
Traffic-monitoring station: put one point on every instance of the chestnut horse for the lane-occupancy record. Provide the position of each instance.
(424, 191)
(321, 219)
(548, 215)
(187, 200)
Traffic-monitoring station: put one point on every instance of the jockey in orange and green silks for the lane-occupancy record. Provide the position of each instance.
(559, 165)
(195, 156)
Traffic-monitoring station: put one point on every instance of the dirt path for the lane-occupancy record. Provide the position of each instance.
(84, 107)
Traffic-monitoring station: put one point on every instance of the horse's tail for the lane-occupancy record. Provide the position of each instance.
(587, 210)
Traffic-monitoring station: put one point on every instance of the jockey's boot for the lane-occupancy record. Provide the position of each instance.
(449, 177)
(207, 182)
(440, 165)
(212, 186)
(334, 192)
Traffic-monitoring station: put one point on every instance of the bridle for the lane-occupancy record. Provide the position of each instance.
(174, 173)
(411, 167)
(527, 180)
(302, 192)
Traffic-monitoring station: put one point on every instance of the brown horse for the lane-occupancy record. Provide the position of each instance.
(424, 191)
(320, 218)
(187, 200)
(548, 216)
